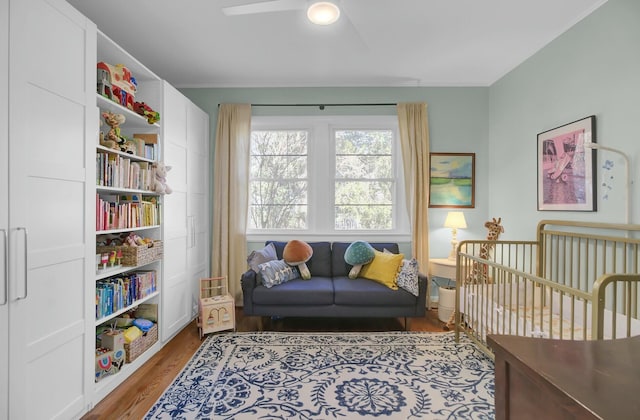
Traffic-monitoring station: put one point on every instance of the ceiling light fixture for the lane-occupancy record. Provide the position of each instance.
(323, 13)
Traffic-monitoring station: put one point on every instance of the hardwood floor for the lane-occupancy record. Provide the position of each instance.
(140, 391)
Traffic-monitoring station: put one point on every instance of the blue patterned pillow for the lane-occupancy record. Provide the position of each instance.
(408, 276)
(276, 272)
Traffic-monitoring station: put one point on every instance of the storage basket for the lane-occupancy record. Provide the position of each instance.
(141, 344)
(133, 256)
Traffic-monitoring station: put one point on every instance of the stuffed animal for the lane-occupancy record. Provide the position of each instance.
(135, 240)
(128, 147)
(113, 136)
(107, 143)
(297, 253)
(160, 185)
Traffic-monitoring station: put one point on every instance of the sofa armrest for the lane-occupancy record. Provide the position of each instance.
(248, 282)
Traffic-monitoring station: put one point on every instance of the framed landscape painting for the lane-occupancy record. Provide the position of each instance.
(567, 167)
(452, 180)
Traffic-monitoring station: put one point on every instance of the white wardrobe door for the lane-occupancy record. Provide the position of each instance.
(176, 297)
(52, 52)
(198, 206)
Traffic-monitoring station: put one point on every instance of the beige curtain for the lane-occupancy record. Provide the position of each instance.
(230, 194)
(414, 140)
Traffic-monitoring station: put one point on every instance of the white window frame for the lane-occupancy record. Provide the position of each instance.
(321, 162)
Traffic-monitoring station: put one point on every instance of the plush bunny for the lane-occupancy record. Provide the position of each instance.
(160, 185)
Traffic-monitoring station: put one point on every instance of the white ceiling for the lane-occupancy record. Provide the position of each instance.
(191, 43)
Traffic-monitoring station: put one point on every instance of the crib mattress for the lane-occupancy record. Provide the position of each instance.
(486, 316)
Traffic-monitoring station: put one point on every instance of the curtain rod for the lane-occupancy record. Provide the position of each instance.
(322, 106)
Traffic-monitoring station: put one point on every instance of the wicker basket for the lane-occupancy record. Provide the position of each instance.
(142, 344)
(133, 256)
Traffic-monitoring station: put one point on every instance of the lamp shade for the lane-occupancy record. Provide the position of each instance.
(323, 12)
(455, 220)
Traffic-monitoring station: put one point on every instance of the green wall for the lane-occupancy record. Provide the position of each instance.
(592, 69)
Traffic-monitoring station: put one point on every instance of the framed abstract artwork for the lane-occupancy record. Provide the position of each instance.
(566, 168)
(452, 180)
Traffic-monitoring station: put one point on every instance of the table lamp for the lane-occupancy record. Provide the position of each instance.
(455, 220)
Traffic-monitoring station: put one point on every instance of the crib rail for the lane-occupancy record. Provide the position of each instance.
(577, 281)
(619, 291)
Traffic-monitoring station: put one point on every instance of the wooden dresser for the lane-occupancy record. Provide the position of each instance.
(554, 379)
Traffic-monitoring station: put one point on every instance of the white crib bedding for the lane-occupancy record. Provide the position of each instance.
(485, 313)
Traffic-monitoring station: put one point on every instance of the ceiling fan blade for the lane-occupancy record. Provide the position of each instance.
(264, 7)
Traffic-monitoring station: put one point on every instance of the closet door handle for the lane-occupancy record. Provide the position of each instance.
(26, 265)
(6, 268)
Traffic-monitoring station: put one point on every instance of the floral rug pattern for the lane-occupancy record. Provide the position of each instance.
(273, 375)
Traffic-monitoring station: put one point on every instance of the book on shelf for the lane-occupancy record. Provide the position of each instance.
(116, 293)
(150, 144)
(127, 211)
(121, 172)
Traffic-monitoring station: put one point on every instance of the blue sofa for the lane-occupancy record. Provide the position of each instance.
(330, 292)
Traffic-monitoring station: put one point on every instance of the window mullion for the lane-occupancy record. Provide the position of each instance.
(321, 170)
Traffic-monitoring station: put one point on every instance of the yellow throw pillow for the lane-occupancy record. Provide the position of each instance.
(383, 269)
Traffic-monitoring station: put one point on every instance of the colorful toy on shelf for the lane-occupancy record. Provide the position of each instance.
(135, 240)
(111, 144)
(129, 146)
(105, 88)
(108, 361)
(114, 136)
(160, 185)
(146, 111)
(116, 83)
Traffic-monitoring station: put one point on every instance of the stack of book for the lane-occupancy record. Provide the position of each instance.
(126, 212)
(116, 293)
(120, 172)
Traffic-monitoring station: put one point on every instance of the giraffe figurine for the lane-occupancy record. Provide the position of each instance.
(495, 229)
(479, 272)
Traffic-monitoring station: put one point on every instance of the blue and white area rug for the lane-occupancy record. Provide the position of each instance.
(277, 375)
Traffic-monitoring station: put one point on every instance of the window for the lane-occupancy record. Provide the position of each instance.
(364, 183)
(278, 173)
(326, 176)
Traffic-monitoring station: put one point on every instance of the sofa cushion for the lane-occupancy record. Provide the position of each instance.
(320, 262)
(351, 291)
(384, 269)
(408, 275)
(259, 256)
(273, 273)
(339, 265)
(316, 291)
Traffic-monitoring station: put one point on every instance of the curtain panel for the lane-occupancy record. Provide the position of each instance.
(231, 194)
(414, 140)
